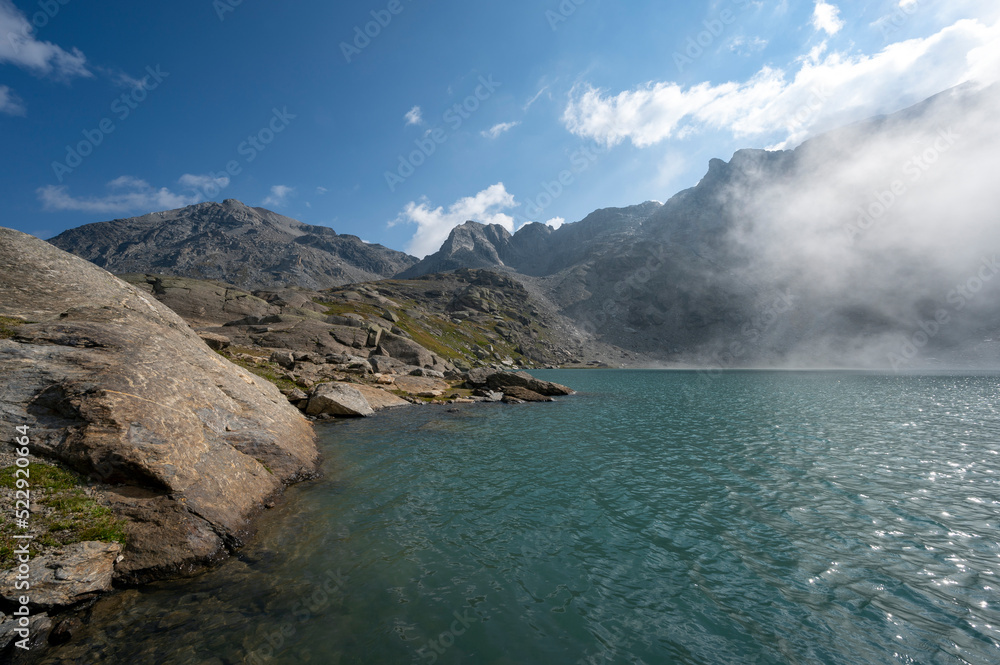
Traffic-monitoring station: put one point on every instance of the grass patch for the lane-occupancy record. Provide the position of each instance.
(7, 325)
(262, 368)
(67, 515)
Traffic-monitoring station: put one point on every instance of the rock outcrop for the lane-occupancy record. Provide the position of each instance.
(116, 386)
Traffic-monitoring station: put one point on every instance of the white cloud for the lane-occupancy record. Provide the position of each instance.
(535, 98)
(414, 116)
(742, 45)
(556, 222)
(279, 195)
(322, 190)
(10, 103)
(826, 17)
(210, 185)
(19, 46)
(498, 129)
(827, 89)
(434, 224)
(130, 194)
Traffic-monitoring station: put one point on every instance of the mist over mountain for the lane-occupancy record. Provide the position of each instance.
(873, 245)
(870, 246)
(252, 248)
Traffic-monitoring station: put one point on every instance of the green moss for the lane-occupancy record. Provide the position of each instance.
(68, 515)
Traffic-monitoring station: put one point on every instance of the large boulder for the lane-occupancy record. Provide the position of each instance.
(67, 576)
(379, 399)
(501, 381)
(117, 386)
(409, 352)
(338, 399)
(525, 395)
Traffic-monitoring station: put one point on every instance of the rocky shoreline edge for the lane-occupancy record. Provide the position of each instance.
(141, 450)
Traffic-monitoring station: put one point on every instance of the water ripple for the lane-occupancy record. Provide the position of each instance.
(656, 517)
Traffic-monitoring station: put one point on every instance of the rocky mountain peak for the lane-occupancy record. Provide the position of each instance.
(232, 242)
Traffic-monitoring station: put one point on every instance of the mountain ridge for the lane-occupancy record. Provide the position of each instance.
(234, 243)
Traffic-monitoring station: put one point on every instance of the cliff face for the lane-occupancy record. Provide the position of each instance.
(252, 248)
(116, 386)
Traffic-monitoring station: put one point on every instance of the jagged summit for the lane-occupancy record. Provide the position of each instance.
(235, 243)
(535, 249)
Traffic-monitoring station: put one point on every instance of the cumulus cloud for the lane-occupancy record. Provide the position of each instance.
(10, 103)
(825, 89)
(279, 195)
(434, 224)
(556, 222)
(130, 194)
(19, 46)
(498, 129)
(826, 17)
(414, 116)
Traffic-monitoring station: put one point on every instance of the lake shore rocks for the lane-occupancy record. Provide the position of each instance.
(116, 386)
(66, 576)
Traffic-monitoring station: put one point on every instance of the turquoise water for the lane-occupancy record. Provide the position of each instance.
(655, 517)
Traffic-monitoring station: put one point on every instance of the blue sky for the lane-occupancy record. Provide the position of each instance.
(503, 112)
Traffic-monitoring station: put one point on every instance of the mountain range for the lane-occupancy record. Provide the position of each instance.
(868, 246)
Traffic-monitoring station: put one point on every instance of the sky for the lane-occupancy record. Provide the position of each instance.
(396, 120)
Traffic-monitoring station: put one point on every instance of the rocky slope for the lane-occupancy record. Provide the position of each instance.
(252, 248)
(184, 446)
(439, 323)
